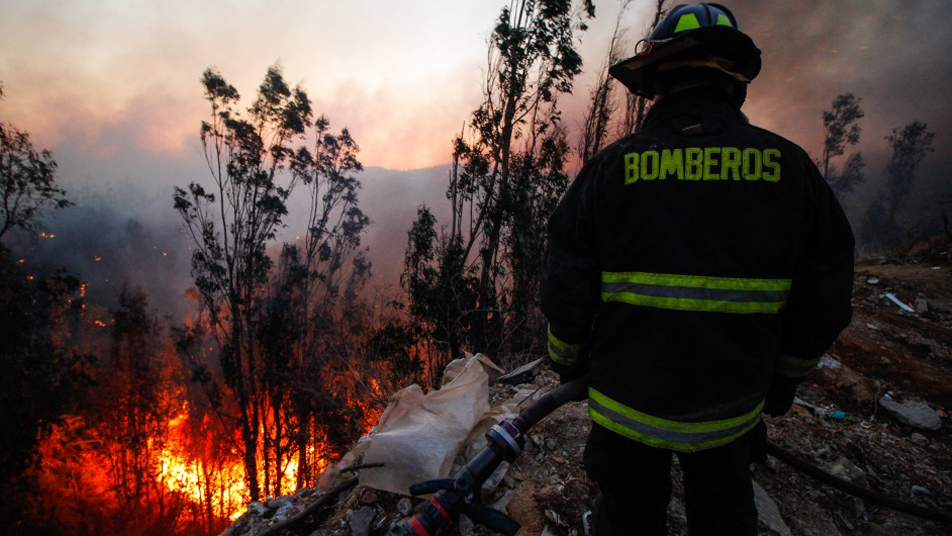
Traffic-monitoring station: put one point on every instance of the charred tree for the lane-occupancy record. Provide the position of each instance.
(910, 145)
(841, 129)
(27, 180)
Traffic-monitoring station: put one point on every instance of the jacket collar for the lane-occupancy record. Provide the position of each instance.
(706, 107)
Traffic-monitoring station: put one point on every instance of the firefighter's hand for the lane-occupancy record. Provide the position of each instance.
(780, 396)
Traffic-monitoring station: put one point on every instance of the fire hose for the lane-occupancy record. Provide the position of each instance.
(505, 441)
(460, 494)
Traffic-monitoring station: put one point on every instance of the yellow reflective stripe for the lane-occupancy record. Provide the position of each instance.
(664, 433)
(562, 352)
(697, 281)
(679, 304)
(722, 20)
(695, 293)
(687, 22)
(795, 367)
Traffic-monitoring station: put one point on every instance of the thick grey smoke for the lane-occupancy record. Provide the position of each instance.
(893, 55)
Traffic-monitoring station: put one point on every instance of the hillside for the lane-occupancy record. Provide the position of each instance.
(844, 423)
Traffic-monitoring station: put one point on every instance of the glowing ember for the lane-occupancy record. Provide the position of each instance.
(99, 323)
(97, 258)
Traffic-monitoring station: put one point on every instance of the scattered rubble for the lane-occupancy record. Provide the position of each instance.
(886, 350)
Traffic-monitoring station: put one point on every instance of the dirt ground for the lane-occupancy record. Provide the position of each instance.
(840, 427)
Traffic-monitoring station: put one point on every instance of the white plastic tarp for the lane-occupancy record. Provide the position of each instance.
(419, 434)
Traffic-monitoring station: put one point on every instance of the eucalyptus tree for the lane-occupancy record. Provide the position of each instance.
(255, 159)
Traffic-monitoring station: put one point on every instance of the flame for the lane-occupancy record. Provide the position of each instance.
(181, 472)
(99, 323)
(97, 258)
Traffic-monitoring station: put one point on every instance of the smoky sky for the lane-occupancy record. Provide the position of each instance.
(893, 55)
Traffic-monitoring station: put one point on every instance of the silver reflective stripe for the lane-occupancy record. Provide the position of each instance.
(669, 436)
(565, 356)
(696, 293)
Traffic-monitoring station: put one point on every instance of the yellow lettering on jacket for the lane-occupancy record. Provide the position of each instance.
(672, 163)
(693, 160)
(730, 163)
(773, 173)
(649, 165)
(631, 168)
(704, 163)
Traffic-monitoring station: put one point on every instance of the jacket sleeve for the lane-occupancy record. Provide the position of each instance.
(571, 277)
(818, 307)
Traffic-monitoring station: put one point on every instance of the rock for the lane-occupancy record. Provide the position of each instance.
(919, 439)
(361, 520)
(860, 508)
(278, 502)
(915, 414)
(843, 468)
(257, 509)
(919, 490)
(768, 513)
(922, 305)
(522, 374)
(287, 509)
(404, 507)
(466, 526)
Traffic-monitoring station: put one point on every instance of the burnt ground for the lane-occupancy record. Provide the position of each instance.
(906, 356)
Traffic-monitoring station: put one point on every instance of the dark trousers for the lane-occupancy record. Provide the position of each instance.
(635, 484)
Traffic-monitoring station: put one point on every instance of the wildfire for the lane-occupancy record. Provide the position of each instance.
(225, 490)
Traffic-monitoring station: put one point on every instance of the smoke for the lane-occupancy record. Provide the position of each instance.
(122, 228)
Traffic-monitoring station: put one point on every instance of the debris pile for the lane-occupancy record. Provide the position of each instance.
(874, 413)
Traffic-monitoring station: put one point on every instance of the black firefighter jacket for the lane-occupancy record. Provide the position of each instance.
(687, 266)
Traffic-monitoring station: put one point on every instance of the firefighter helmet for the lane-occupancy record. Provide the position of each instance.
(702, 36)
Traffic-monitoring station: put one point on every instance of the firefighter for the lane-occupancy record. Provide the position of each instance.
(696, 270)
